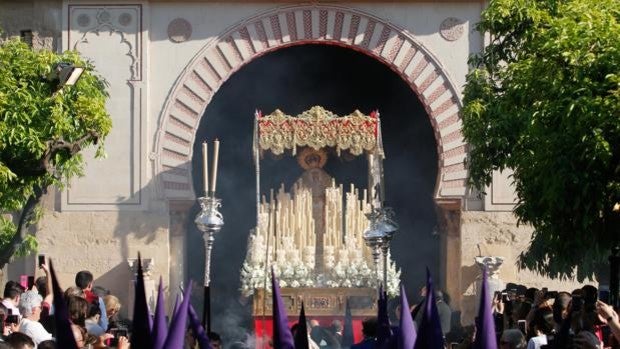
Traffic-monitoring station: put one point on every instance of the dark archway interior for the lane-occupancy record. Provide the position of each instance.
(294, 79)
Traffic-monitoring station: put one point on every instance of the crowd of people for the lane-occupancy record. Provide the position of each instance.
(524, 318)
(27, 318)
(533, 319)
(28, 322)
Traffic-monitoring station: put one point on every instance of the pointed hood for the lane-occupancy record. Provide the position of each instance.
(176, 333)
(199, 331)
(301, 336)
(384, 332)
(282, 337)
(141, 335)
(407, 333)
(485, 324)
(429, 334)
(160, 327)
(64, 334)
(347, 330)
(175, 307)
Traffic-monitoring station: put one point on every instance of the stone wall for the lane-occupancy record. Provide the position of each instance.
(496, 234)
(41, 17)
(101, 242)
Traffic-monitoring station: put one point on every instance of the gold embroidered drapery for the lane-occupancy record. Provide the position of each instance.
(318, 128)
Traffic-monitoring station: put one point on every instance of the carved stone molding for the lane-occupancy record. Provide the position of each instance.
(111, 36)
(179, 30)
(451, 29)
(122, 19)
(449, 217)
(147, 266)
(449, 222)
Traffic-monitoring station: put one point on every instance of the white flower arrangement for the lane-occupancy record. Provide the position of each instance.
(298, 272)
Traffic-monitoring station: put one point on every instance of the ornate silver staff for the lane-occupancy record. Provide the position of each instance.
(378, 237)
(382, 224)
(209, 221)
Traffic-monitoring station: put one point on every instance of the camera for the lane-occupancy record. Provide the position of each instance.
(117, 333)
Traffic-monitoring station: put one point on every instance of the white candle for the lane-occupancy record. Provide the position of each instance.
(216, 155)
(205, 168)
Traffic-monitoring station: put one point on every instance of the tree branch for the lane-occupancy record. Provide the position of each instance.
(73, 148)
(44, 167)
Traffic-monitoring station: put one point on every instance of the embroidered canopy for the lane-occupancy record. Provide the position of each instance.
(318, 128)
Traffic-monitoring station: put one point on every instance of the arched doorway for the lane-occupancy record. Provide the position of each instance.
(294, 79)
(187, 117)
(221, 57)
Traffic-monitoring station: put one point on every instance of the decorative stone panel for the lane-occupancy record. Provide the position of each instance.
(112, 37)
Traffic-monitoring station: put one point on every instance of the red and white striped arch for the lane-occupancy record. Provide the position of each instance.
(298, 25)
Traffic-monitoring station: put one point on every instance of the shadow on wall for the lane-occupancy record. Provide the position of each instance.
(134, 231)
(469, 299)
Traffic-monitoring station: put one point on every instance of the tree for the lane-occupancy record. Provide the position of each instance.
(43, 128)
(543, 99)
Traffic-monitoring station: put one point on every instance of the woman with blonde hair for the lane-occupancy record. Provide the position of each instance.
(112, 306)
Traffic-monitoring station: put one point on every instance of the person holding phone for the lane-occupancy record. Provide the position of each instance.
(10, 323)
(44, 287)
(543, 326)
(607, 313)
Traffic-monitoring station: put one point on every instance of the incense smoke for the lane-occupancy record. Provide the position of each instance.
(293, 80)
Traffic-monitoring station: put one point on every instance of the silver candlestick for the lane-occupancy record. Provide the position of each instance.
(209, 221)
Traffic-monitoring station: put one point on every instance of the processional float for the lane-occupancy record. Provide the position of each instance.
(322, 238)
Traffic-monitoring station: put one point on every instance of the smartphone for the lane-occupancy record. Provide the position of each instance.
(521, 326)
(505, 298)
(41, 260)
(23, 281)
(603, 295)
(30, 282)
(12, 319)
(576, 303)
(117, 333)
(121, 333)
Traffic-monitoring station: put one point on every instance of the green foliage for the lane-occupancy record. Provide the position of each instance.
(35, 117)
(543, 98)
